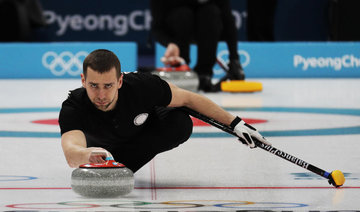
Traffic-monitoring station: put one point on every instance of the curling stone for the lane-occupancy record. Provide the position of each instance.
(181, 76)
(102, 180)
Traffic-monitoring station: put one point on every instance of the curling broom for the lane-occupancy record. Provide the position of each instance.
(335, 178)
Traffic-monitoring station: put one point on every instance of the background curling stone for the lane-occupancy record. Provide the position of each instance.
(181, 76)
(110, 179)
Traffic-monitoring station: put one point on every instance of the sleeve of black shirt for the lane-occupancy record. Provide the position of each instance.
(69, 117)
(155, 90)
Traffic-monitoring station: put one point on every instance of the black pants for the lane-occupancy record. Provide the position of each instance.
(201, 25)
(161, 134)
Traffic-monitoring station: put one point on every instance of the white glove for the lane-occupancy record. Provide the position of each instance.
(247, 133)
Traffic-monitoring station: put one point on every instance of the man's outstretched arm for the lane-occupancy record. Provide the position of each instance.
(76, 153)
(199, 103)
(205, 106)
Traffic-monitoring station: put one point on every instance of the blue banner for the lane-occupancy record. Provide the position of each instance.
(58, 60)
(289, 59)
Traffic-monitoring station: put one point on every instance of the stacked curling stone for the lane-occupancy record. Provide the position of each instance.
(181, 76)
(105, 180)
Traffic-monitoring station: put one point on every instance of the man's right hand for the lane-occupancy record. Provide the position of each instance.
(98, 155)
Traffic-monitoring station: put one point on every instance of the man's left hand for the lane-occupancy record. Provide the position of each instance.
(247, 134)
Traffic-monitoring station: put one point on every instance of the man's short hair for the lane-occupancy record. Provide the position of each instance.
(102, 61)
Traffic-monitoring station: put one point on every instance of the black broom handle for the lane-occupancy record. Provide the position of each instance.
(263, 146)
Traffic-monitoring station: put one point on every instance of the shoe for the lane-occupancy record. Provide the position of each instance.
(236, 72)
(206, 85)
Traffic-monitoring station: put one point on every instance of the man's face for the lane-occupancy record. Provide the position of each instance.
(102, 88)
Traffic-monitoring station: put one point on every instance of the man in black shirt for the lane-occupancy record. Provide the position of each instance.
(178, 23)
(132, 117)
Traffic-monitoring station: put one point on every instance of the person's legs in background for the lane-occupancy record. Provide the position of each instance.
(229, 34)
(207, 35)
(260, 20)
(180, 21)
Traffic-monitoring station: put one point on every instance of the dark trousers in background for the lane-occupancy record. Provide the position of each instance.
(201, 25)
(18, 18)
(344, 17)
(260, 20)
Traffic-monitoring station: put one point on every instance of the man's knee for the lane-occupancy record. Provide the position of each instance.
(173, 130)
(182, 125)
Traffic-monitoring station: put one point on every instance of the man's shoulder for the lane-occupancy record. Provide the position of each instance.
(72, 111)
(145, 79)
(148, 87)
(78, 92)
(137, 76)
(76, 97)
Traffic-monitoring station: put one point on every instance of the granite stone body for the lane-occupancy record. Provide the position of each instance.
(187, 80)
(102, 182)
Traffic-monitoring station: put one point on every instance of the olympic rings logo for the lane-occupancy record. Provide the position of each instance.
(65, 62)
(244, 56)
(170, 205)
(223, 56)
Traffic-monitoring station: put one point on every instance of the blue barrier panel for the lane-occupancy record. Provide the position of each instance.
(58, 60)
(289, 59)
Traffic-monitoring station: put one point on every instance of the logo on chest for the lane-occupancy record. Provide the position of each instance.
(140, 119)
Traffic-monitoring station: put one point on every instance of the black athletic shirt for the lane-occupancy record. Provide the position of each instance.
(138, 96)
